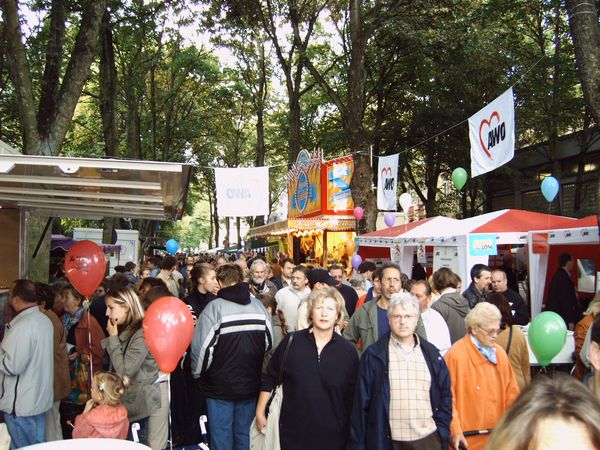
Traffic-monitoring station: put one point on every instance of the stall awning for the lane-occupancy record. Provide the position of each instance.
(300, 225)
(93, 188)
(64, 243)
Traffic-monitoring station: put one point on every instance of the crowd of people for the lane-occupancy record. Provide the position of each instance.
(368, 359)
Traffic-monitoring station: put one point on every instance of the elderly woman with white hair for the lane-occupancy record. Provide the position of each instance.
(483, 382)
(403, 399)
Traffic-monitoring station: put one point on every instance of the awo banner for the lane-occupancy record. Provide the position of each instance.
(492, 135)
(242, 191)
(387, 182)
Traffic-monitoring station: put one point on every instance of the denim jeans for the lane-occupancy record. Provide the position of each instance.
(229, 423)
(26, 430)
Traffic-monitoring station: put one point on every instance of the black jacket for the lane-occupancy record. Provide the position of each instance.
(562, 297)
(473, 295)
(197, 301)
(317, 392)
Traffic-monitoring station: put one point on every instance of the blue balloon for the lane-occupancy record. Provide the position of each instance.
(172, 246)
(550, 188)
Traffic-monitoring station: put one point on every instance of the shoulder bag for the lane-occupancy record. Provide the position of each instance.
(268, 439)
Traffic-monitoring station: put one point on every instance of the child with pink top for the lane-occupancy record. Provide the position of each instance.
(104, 415)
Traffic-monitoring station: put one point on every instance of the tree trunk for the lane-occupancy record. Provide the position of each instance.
(108, 88)
(133, 129)
(583, 20)
(76, 74)
(238, 226)
(51, 79)
(215, 216)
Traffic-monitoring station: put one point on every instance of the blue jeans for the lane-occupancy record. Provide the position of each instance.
(229, 423)
(26, 430)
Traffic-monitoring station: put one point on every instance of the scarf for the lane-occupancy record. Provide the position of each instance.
(71, 319)
(488, 352)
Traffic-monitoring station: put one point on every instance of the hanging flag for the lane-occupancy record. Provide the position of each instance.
(492, 135)
(242, 192)
(387, 183)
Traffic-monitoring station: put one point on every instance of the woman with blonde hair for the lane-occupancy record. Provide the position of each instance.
(550, 414)
(318, 379)
(146, 400)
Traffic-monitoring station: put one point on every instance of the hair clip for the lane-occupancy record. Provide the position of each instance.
(101, 387)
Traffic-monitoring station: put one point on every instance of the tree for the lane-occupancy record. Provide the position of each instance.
(44, 128)
(583, 20)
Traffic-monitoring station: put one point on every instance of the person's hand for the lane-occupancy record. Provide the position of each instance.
(89, 405)
(261, 422)
(459, 439)
(85, 357)
(571, 326)
(73, 356)
(111, 327)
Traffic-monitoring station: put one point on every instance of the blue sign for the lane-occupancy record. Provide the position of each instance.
(482, 245)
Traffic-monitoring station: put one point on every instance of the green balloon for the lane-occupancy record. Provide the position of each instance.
(547, 335)
(459, 177)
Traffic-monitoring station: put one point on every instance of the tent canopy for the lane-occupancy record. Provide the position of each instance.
(93, 188)
(389, 236)
(64, 243)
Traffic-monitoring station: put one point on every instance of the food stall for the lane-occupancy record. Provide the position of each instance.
(320, 221)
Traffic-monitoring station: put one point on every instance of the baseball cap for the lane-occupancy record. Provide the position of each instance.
(321, 276)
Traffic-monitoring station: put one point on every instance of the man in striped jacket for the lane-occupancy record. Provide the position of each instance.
(231, 337)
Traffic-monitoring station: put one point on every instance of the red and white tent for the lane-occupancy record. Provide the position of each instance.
(579, 237)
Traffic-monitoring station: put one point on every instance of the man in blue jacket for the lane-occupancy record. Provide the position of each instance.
(403, 397)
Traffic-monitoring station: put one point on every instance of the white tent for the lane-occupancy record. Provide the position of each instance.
(507, 226)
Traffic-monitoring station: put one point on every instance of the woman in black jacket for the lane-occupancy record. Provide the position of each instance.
(205, 287)
(319, 376)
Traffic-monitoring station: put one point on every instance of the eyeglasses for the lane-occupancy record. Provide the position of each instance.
(492, 332)
(390, 280)
(403, 317)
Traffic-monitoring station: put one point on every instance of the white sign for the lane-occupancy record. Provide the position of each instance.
(445, 257)
(492, 135)
(387, 183)
(242, 191)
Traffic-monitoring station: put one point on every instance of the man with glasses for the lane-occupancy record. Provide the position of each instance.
(483, 383)
(403, 399)
(370, 321)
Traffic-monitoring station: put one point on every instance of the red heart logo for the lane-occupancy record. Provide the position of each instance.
(386, 171)
(489, 124)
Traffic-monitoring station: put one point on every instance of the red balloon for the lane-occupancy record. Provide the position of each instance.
(168, 331)
(85, 265)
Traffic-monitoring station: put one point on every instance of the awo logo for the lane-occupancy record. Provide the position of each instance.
(492, 131)
(388, 178)
(238, 194)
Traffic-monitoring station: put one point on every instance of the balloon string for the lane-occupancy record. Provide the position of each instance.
(169, 397)
(90, 342)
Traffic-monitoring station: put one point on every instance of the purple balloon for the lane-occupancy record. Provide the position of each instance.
(356, 261)
(389, 219)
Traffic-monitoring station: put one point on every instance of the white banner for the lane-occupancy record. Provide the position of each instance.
(387, 183)
(242, 191)
(492, 135)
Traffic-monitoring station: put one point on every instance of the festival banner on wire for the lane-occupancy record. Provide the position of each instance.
(492, 135)
(387, 183)
(242, 191)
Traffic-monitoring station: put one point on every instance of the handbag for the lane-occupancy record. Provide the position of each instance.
(79, 371)
(268, 439)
